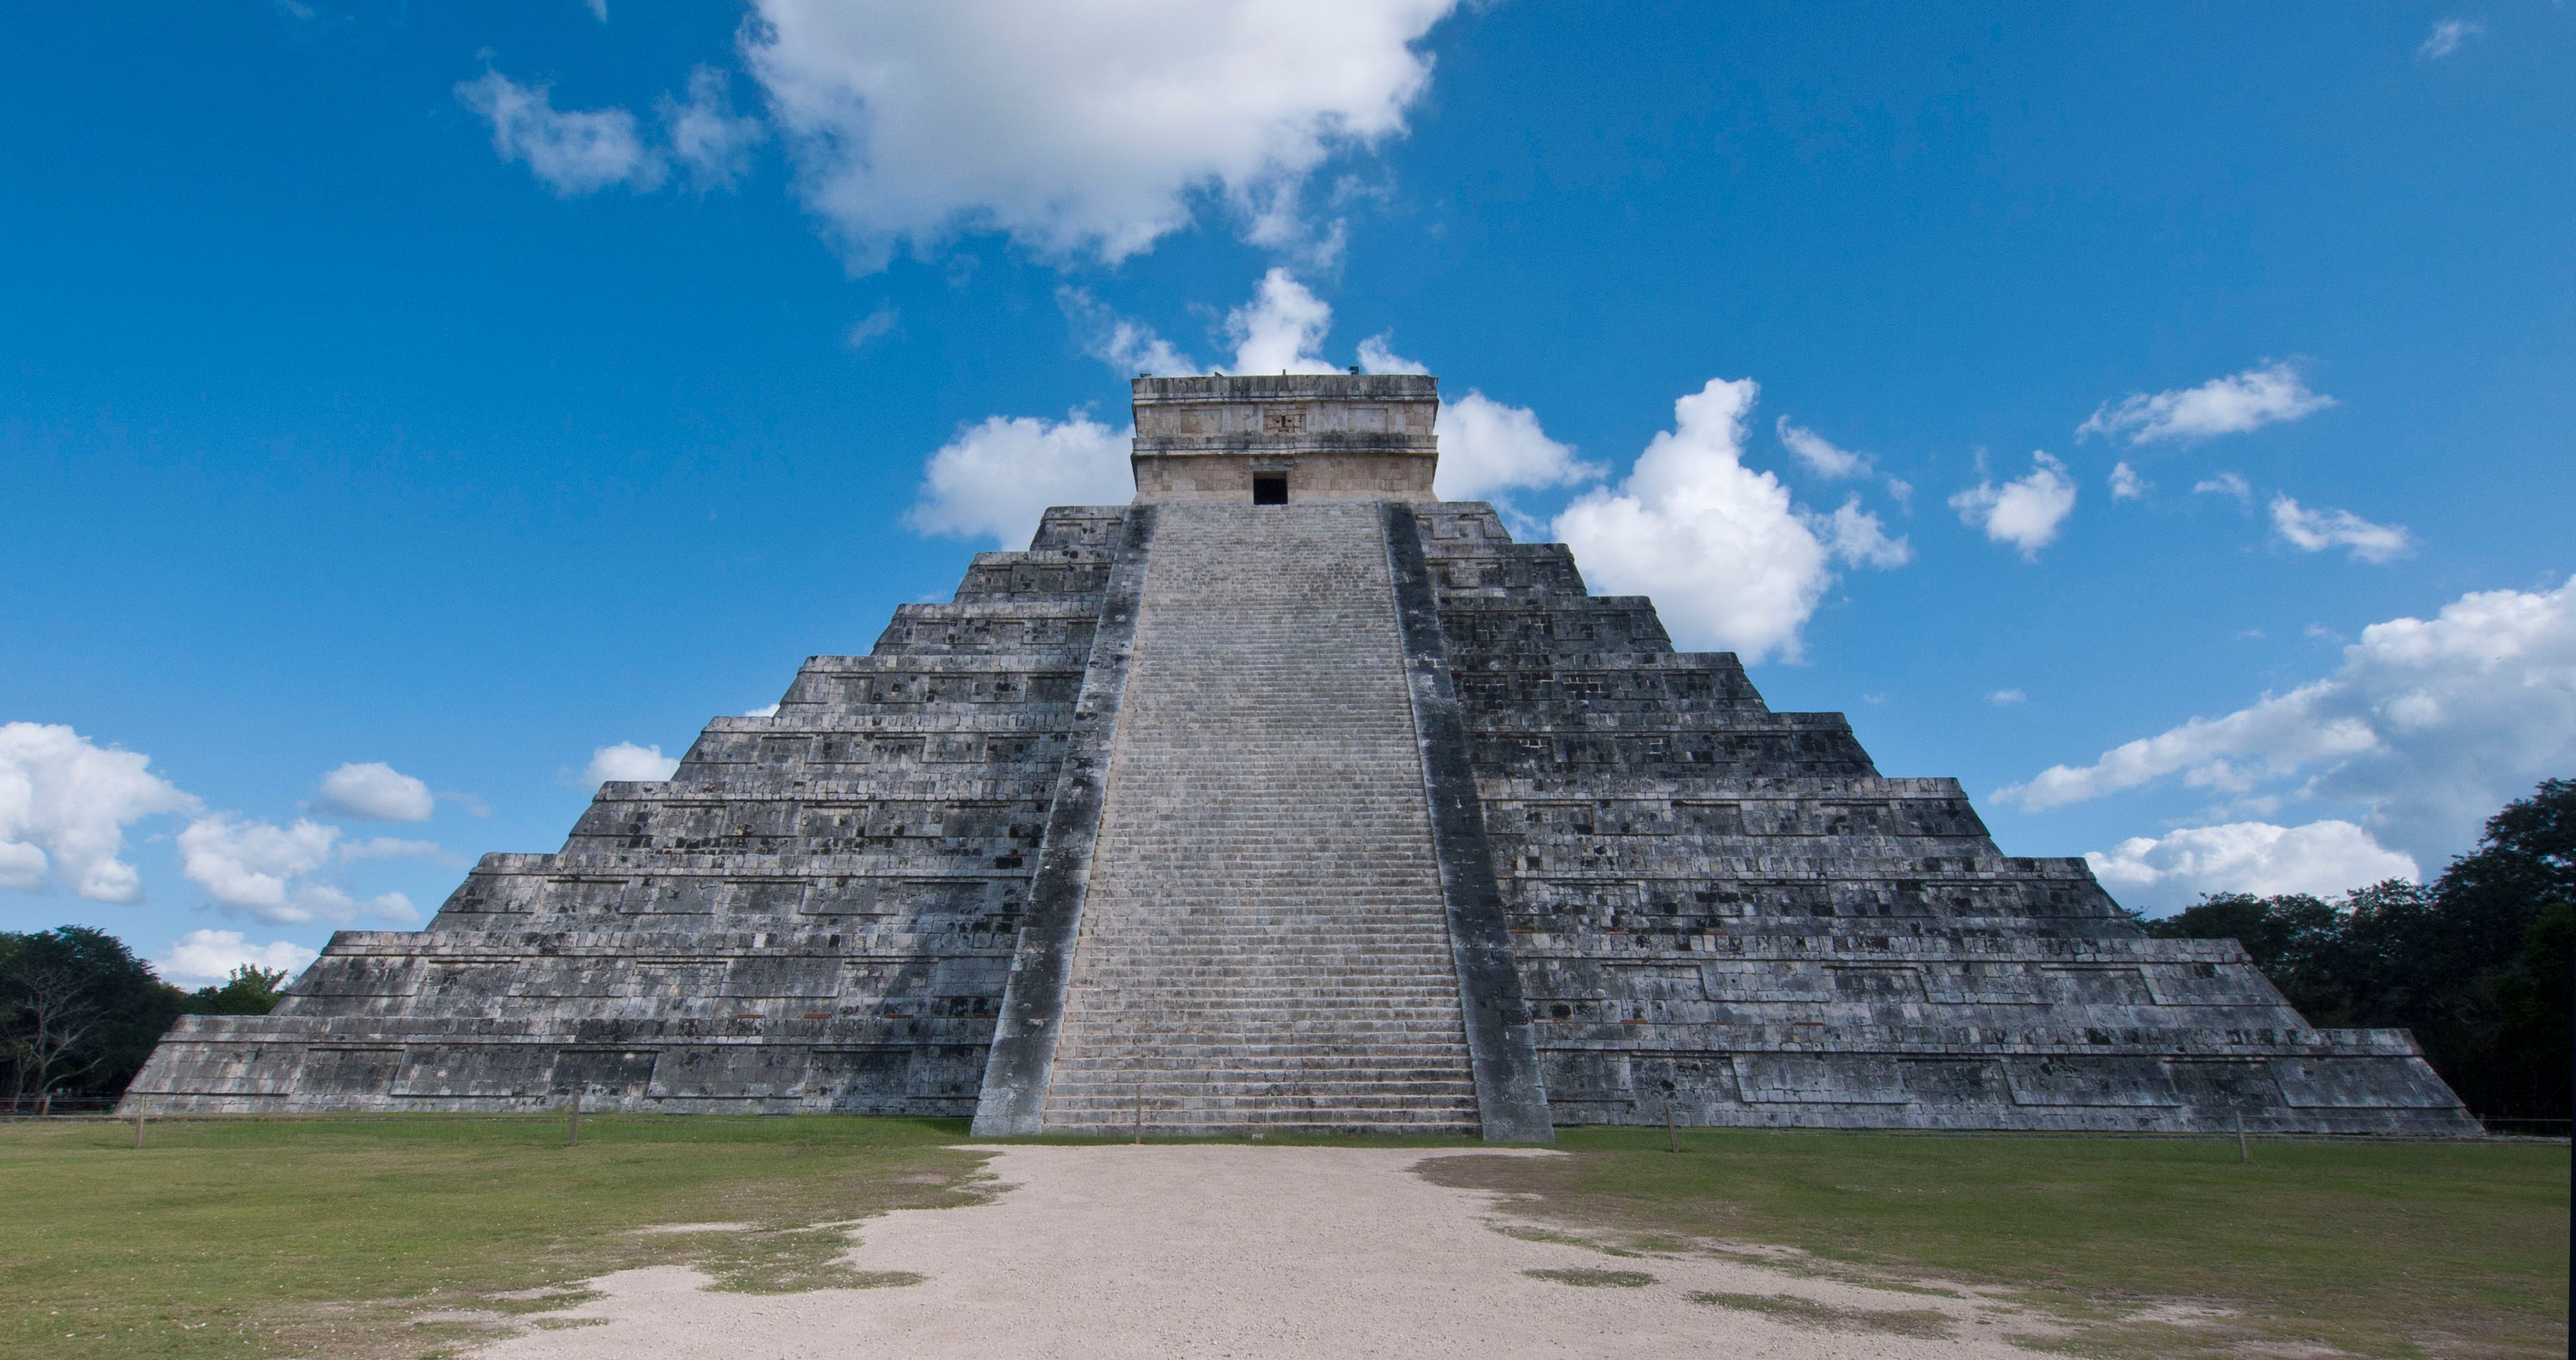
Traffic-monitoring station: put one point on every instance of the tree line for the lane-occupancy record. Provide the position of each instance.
(2480, 963)
(79, 1013)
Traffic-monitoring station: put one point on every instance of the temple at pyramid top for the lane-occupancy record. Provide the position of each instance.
(1294, 437)
(1290, 797)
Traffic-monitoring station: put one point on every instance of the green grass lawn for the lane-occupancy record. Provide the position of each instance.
(336, 1236)
(2391, 1249)
(333, 1236)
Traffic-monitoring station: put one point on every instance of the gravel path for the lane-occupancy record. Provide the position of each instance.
(1247, 1251)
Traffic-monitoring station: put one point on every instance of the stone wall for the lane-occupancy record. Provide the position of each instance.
(1625, 890)
(816, 912)
(1728, 915)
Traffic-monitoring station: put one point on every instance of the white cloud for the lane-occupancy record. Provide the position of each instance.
(2432, 724)
(1903, 492)
(764, 711)
(2230, 405)
(998, 477)
(629, 763)
(1281, 329)
(1487, 447)
(389, 847)
(1856, 537)
(1377, 355)
(1731, 560)
(2447, 36)
(265, 869)
(2323, 858)
(1126, 346)
(2025, 512)
(1822, 457)
(64, 807)
(2318, 530)
(871, 326)
(377, 792)
(571, 153)
(707, 138)
(598, 9)
(254, 865)
(2126, 484)
(1077, 129)
(2225, 484)
(204, 957)
(2006, 698)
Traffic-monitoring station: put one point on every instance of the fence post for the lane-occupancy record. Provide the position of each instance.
(138, 1126)
(1140, 1113)
(1672, 1138)
(2242, 1155)
(572, 1122)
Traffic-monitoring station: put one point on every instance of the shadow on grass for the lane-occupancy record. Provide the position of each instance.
(364, 1235)
(2393, 1249)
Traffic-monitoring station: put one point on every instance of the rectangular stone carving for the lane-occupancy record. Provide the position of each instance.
(1828, 1079)
(2358, 1083)
(2076, 1080)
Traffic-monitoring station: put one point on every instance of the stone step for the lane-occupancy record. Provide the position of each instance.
(1265, 926)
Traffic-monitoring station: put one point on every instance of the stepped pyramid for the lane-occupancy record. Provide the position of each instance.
(1289, 797)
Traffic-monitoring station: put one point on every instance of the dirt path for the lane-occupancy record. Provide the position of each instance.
(1250, 1251)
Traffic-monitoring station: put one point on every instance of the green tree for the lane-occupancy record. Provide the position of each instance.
(79, 1013)
(2481, 964)
(249, 991)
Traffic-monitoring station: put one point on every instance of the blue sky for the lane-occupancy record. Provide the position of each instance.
(467, 389)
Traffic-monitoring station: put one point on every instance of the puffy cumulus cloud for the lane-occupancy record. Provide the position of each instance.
(2231, 405)
(1487, 448)
(2126, 484)
(1077, 129)
(2317, 530)
(764, 711)
(2432, 724)
(266, 870)
(201, 957)
(570, 152)
(2446, 37)
(1281, 329)
(376, 792)
(998, 476)
(243, 863)
(2173, 870)
(64, 805)
(1731, 560)
(2006, 698)
(1855, 536)
(2025, 512)
(627, 762)
(711, 142)
(1820, 456)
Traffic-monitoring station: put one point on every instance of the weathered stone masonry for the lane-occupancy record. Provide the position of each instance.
(817, 911)
(1345, 813)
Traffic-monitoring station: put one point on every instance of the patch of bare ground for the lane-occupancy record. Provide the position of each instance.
(1210, 1249)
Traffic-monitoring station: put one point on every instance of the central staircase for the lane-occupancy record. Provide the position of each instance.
(1263, 945)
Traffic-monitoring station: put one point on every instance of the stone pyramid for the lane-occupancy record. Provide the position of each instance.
(1289, 797)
